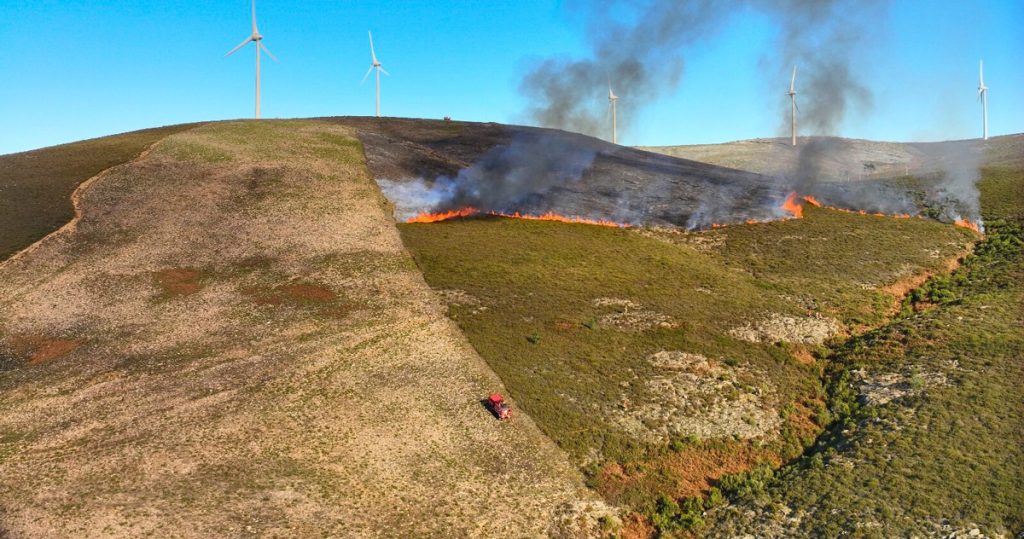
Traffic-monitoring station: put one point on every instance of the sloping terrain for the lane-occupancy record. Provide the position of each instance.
(615, 183)
(662, 360)
(232, 341)
(929, 437)
(848, 159)
(36, 186)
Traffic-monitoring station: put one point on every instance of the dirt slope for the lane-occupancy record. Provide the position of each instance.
(232, 341)
(35, 186)
(850, 159)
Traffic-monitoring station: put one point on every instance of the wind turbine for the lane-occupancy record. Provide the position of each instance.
(983, 97)
(612, 98)
(258, 40)
(792, 103)
(375, 65)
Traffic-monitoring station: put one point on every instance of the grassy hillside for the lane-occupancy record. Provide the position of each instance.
(850, 158)
(36, 186)
(929, 439)
(233, 342)
(631, 348)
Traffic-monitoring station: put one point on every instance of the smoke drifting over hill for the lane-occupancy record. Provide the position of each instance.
(506, 179)
(640, 47)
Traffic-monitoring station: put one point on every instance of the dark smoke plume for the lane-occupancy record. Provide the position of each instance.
(640, 46)
(506, 179)
(824, 38)
(642, 58)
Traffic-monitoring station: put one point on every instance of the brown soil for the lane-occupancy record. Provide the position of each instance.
(243, 419)
(179, 281)
(802, 422)
(296, 293)
(802, 354)
(690, 472)
(902, 287)
(41, 348)
(635, 526)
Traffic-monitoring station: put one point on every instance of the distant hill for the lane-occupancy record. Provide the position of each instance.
(847, 159)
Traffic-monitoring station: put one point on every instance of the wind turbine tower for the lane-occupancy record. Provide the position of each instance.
(792, 104)
(612, 98)
(258, 40)
(983, 97)
(375, 65)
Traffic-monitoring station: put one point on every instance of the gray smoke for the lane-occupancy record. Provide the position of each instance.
(823, 38)
(953, 189)
(507, 179)
(642, 58)
(640, 45)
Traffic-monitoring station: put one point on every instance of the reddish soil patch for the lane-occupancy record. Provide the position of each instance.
(179, 281)
(635, 526)
(690, 472)
(295, 293)
(803, 355)
(801, 421)
(307, 296)
(901, 288)
(36, 349)
(305, 292)
(565, 325)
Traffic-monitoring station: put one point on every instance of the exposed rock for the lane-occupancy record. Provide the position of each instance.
(778, 327)
(696, 396)
(631, 316)
(882, 388)
(455, 296)
(616, 302)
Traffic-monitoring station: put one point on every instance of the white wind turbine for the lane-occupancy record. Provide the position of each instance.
(792, 104)
(375, 65)
(612, 98)
(983, 97)
(258, 40)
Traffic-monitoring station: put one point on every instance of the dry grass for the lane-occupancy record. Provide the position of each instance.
(260, 357)
(37, 185)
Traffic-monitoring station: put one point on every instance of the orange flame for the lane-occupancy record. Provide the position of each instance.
(812, 201)
(435, 217)
(550, 216)
(792, 206)
(968, 224)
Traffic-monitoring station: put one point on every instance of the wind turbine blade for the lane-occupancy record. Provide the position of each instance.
(367, 74)
(792, 81)
(254, 17)
(240, 45)
(266, 50)
(384, 71)
(373, 53)
(981, 73)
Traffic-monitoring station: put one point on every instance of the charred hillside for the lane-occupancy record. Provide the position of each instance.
(433, 166)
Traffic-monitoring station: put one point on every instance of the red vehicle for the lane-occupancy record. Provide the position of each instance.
(499, 406)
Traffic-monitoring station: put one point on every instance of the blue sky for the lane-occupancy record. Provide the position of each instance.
(78, 69)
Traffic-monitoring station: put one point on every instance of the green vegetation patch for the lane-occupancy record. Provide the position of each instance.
(929, 438)
(37, 185)
(844, 265)
(588, 325)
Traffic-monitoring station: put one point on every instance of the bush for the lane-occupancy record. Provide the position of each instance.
(670, 518)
